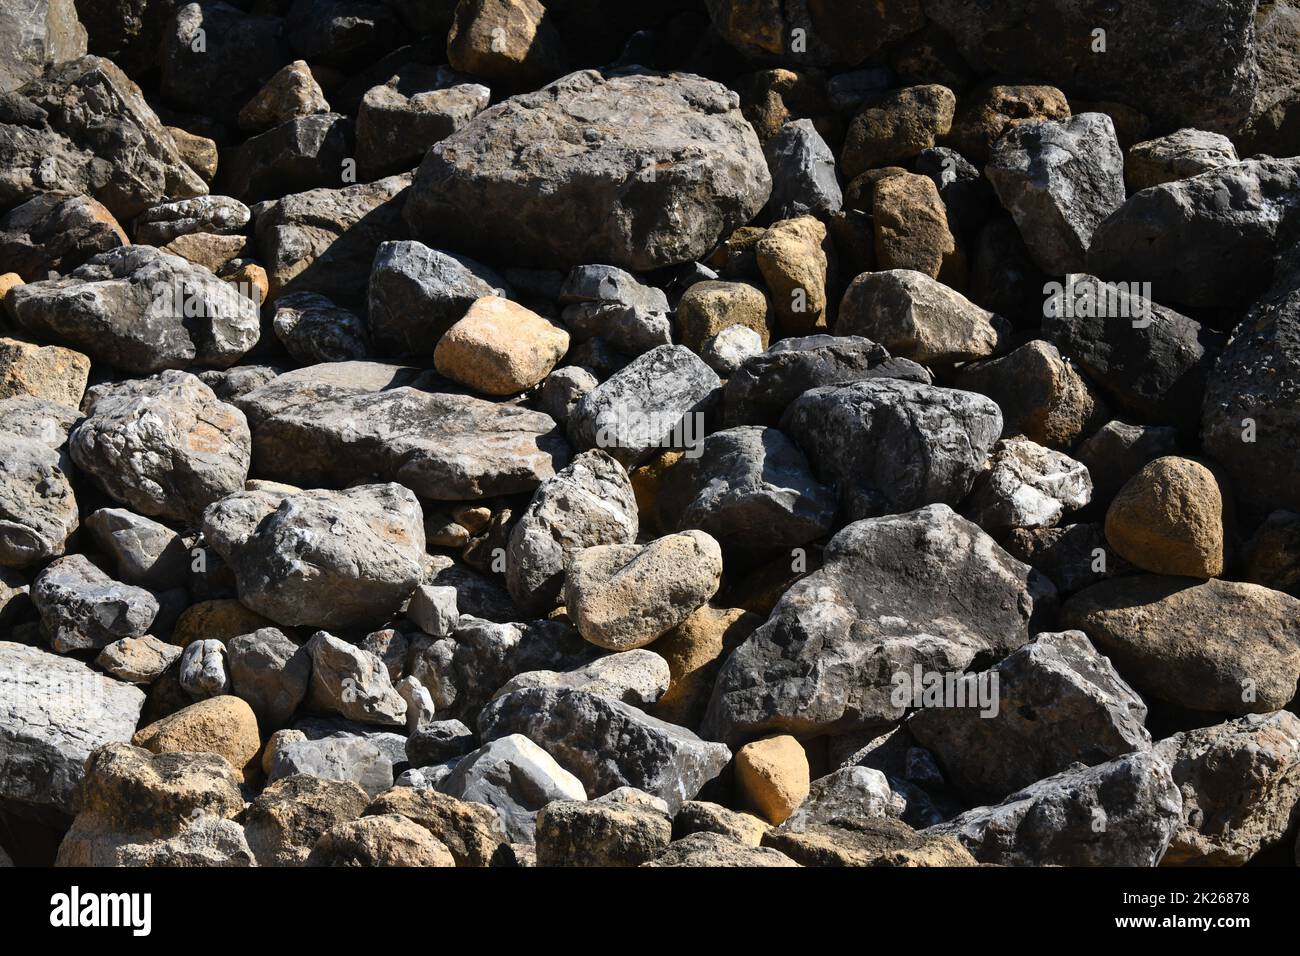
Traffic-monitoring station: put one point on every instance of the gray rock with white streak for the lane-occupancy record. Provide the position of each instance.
(1027, 486)
(166, 445)
(1120, 813)
(38, 509)
(140, 310)
(321, 558)
(607, 744)
(590, 502)
(218, 215)
(313, 329)
(203, 670)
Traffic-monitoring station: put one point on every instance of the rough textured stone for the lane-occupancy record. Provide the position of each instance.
(146, 553)
(137, 660)
(37, 33)
(38, 510)
(1168, 519)
(897, 128)
(346, 757)
(891, 445)
(698, 816)
(865, 842)
(661, 180)
(500, 348)
(313, 329)
(47, 372)
(1239, 785)
(792, 259)
(1121, 813)
(398, 121)
(708, 307)
(1027, 486)
(388, 840)
(217, 215)
(290, 815)
(637, 677)
(517, 778)
(1118, 451)
(82, 608)
(1059, 181)
(607, 744)
(219, 725)
(270, 672)
(835, 34)
(694, 651)
(165, 445)
(53, 233)
(140, 310)
(473, 832)
(600, 833)
(202, 670)
(992, 112)
(772, 776)
(915, 317)
(290, 93)
(623, 596)
(305, 152)
(910, 228)
(352, 683)
(1180, 155)
(803, 173)
(863, 611)
(1215, 646)
(56, 711)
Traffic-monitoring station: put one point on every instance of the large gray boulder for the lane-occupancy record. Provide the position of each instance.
(607, 744)
(889, 445)
(1058, 702)
(140, 310)
(661, 166)
(325, 559)
(826, 660)
(164, 445)
(1121, 813)
(36, 33)
(1197, 248)
(57, 710)
(1059, 180)
(589, 502)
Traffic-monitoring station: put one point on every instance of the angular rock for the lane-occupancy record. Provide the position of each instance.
(514, 42)
(1121, 813)
(708, 307)
(897, 128)
(164, 445)
(219, 215)
(863, 611)
(1218, 646)
(1117, 451)
(352, 683)
(605, 743)
(304, 153)
(398, 121)
(57, 712)
(438, 741)
(287, 818)
(321, 558)
(835, 34)
(348, 758)
(473, 832)
(660, 181)
(600, 833)
(910, 228)
(698, 816)
(36, 34)
(792, 260)
(1180, 155)
(1027, 486)
(82, 608)
(137, 660)
(913, 316)
(146, 553)
(715, 850)
(290, 93)
(313, 329)
(588, 503)
(500, 348)
(53, 233)
(865, 842)
(637, 677)
(140, 310)
(38, 510)
(994, 111)
(517, 778)
(803, 173)
(891, 445)
(47, 372)
(772, 776)
(1059, 181)
(730, 348)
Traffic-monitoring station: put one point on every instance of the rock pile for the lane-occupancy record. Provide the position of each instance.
(709, 433)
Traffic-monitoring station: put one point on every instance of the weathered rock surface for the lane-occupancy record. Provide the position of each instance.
(1027, 486)
(82, 608)
(290, 815)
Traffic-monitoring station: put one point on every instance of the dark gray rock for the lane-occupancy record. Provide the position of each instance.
(321, 558)
(833, 34)
(140, 310)
(57, 710)
(634, 414)
(563, 389)
(759, 391)
(164, 445)
(147, 553)
(1073, 557)
(342, 33)
(662, 165)
(889, 445)
(1059, 180)
(1255, 386)
(864, 612)
(606, 302)
(968, 196)
(1121, 813)
(750, 488)
(1118, 451)
(417, 293)
(1207, 241)
(1058, 702)
(271, 673)
(607, 744)
(54, 233)
(1150, 361)
(590, 502)
(803, 173)
(303, 153)
(437, 742)
(82, 608)
(313, 329)
(398, 121)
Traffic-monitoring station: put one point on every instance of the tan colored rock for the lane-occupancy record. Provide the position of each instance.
(911, 229)
(197, 152)
(49, 372)
(217, 620)
(646, 481)
(699, 816)
(291, 814)
(388, 840)
(709, 307)
(1168, 519)
(897, 128)
(504, 41)
(500, 347)
(1041, 395)
(792, 258)
(623, 596)
(771, 98)
(222, 725)
(714, 850)
(772, 776)
(290, 93)
(249, 278)
(985, 118)
(211, 250)
(137, 660)
(694, 650)
(274, 487)
(1180, 155)
(7, 282)
(879, 841)
(471, 831)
